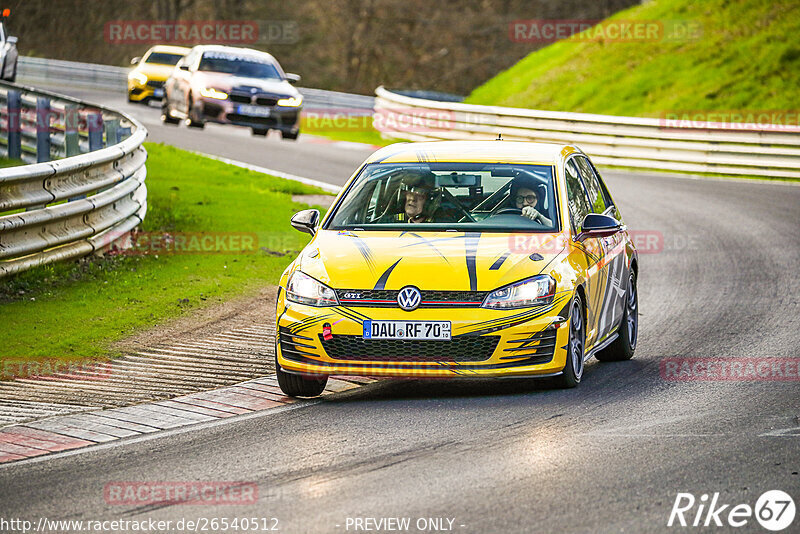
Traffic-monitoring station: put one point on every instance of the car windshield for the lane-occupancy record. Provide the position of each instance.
(246, 67)
(162, 58)
(465, 196)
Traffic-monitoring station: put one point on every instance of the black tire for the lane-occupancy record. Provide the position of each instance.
(622, 348)
(13, 78)
(297, 385)
(166, 118)
(191, 120)
(576, 346)
(260, 133)
(290, 136)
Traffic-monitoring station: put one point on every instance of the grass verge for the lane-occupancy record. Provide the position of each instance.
(78, 309)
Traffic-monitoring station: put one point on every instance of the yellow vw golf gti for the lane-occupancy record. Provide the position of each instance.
(460, 259)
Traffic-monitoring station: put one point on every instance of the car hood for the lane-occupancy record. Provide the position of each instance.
(453, 261)
(226, 82)
(154, 71)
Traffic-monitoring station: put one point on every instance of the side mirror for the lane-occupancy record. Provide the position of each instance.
(596, 225)
(11, 40)
(306, 221)
(183, 67)
(292, 78)
(136, 60)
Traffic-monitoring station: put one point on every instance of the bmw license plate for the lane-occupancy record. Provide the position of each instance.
(254, 111)
(406, 329)
(158, 93)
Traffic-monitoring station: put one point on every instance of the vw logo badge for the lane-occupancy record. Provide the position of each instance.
(409, 298)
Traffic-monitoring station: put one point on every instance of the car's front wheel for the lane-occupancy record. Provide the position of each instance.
(576, 346)
(622, 348)
(166, 115)
(297, 385)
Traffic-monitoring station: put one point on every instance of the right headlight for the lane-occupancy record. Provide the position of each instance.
(304, 289)
(523, 294)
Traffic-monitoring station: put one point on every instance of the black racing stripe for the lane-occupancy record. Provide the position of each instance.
(365, 251)
(350, 315)
(424, 241)
(381, 284)
(471, 246)
(499, 261)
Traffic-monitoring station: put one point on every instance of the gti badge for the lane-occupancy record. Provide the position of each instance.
(409, 298)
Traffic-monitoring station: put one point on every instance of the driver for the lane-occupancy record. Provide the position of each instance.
(418, 198)
(524, 197)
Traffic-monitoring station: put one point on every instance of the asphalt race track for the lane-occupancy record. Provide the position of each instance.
(511, 455)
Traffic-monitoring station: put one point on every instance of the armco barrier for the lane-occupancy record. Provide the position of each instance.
(646, 143)
(54, 209)
(36, 70)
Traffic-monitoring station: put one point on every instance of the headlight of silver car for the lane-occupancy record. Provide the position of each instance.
(523, 294)
(304, 289)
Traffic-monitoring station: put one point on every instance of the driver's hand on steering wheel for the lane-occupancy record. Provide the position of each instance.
(531, 213)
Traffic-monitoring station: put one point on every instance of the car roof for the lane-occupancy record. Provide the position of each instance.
(170, 49)
(474, 151)
(236, 50)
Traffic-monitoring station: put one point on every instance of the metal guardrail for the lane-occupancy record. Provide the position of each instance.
(70, 207)
(644, 143)
(36, 70)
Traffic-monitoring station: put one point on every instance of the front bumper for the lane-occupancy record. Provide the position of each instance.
(485, 343)
(285, 119)
(143, 91)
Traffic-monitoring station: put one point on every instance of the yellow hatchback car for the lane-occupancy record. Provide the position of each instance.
(460, 259)
(146, 80)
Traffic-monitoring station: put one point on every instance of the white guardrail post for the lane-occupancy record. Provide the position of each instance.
(80, 191)
(644, 143)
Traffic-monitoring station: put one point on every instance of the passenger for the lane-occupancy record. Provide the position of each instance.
(418, 197)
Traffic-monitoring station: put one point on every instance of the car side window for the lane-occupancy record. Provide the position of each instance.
(576, 195)
(597, 196)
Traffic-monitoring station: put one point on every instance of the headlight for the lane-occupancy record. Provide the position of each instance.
(139, 77)
(306, 290)
(210, 92)
(292, 101)
(531, 292)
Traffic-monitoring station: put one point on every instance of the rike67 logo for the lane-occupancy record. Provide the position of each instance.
(774, 510)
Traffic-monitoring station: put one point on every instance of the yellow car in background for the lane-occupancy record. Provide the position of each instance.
(146, 80)
(460, 259)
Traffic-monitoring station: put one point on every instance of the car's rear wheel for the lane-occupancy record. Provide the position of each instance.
(576, 346)
(260, 132)
(166, 117)
(622, 348)
(298, 385)
(290, 136)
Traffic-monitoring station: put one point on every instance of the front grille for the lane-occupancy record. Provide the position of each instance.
(154, 83)
(266, 101)
(456, 350)
(261, 121)
(536, 347)
(387, 298)
(240, 99)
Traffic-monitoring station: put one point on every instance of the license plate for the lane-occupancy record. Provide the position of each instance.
(158, 93)
(406, 329)
(254, 111)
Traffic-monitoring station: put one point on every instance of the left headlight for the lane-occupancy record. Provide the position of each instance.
(292, 101)
(139, 77)
(523, 294)
(304, 289)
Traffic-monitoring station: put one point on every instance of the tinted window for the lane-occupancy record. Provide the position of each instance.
(160, 58)
(576, 195)
(238, 65)
(596, 195)
(463, 196)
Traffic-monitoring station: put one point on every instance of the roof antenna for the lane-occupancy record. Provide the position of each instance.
(499, 137)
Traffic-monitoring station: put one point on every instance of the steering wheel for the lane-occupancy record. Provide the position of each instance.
(508, 211)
